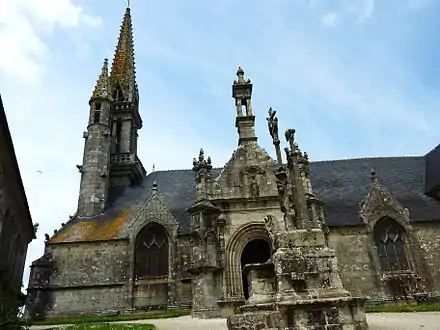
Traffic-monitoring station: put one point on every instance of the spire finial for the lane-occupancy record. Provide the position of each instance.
(102, 87)
(128, 3)
(240, 72)
(154, 168)
(240, 77)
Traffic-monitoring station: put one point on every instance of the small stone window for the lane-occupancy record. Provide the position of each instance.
(98, 106)
(96, 116)
(390, 239)
(118, 136)
(152, 252)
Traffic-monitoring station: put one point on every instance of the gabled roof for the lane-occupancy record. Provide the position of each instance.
(341, 184)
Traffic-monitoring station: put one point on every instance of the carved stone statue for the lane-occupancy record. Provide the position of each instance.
(254, 187)
(273, 230)
(290, 136)
(277, 235)
(272, 123)
(290, 215)
(305, 163)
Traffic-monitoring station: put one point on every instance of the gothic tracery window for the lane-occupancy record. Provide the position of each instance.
(152, 252)
(390, 240)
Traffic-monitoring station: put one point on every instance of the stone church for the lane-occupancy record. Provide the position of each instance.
(180, 238)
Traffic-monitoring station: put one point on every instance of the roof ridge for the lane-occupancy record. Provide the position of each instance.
(312, 162)
(365, 158)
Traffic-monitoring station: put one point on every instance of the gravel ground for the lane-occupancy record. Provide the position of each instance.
(381, 321)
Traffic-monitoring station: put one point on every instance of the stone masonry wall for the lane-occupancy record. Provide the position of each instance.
(358, 264)
(184, 281)
(88, 264)
(357, 272)
(428, 235)
(87, 300)
(90, 275)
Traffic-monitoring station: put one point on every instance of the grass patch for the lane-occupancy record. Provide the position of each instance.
(403, 308)
(111, 318)
(108, 326)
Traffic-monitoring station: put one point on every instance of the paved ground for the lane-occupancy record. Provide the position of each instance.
(383, 321)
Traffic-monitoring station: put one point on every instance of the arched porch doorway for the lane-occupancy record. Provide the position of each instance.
(255, 251)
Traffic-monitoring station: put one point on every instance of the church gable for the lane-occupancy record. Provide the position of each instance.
(380, 203)
(155, 210)
(248, 174)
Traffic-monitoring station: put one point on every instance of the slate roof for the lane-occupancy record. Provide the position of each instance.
(341, 184)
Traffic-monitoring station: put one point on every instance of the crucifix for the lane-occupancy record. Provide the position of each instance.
(272, 122)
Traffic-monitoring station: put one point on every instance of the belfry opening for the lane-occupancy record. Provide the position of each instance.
(255, 251)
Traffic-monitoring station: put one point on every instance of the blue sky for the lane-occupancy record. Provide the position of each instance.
(355, 78)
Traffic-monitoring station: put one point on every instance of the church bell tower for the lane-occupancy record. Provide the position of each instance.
(125, 166)
(94, 170)
(110, 161)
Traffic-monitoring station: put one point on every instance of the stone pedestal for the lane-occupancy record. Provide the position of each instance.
(299, 288)
(206, 291)
(261, 283)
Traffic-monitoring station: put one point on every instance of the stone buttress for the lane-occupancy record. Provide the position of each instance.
(205, 265)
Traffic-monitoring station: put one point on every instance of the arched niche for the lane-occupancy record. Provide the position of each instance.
(234, 250)
(255, 251)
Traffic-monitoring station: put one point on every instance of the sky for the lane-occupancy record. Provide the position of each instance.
(355, 78)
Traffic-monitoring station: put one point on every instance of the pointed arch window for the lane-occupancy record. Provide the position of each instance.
(152, 252)
(390, 239)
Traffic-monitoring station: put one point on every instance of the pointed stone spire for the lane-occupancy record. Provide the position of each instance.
(123, 73)
(102, 87)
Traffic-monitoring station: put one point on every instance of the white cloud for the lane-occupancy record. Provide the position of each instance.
(367, 10)
(34, 105)
(329, 19)
(24, 23)
(345, 10)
